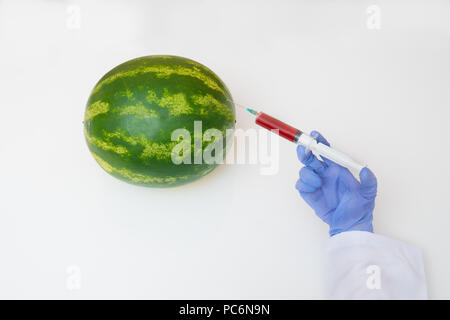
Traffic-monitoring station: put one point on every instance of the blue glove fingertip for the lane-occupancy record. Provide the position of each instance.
(305, 157)
(309, 159)
(319, 137)
(368, 183)
(367, 177)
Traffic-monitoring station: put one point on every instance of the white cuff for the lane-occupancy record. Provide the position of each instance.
(364, 265)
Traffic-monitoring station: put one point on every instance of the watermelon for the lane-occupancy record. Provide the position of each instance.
(134, 109)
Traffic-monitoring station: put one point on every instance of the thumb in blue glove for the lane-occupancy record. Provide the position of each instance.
(334, 194)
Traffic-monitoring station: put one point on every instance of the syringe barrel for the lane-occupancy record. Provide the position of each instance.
(338, 157)
(323, 150)
(284, 130)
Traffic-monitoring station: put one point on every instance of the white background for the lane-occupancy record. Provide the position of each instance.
(380, 95)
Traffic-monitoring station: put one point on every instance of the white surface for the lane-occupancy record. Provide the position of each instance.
(236, 233)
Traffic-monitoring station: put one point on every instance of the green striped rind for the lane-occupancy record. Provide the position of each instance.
(133, 109)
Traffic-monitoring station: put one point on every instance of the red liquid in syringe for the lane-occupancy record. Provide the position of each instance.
(282, 129)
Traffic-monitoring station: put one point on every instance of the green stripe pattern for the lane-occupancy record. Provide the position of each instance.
(134, 108)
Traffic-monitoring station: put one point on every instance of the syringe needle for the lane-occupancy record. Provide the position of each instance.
(254, 112)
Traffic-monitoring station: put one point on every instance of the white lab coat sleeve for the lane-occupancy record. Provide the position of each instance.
(364, 265)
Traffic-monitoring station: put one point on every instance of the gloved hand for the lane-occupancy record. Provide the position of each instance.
(334, 193)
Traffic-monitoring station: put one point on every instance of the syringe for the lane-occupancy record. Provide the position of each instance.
(292, 134)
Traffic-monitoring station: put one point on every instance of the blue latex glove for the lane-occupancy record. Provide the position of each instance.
(334, 193)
